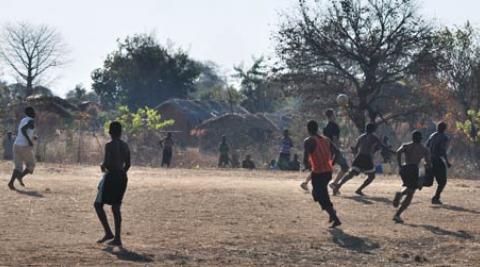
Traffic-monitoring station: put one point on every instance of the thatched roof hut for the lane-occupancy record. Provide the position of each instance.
(243, 130)
(190, 113)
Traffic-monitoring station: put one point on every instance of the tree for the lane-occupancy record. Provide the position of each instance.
(143, 73)
(366, 45)
(461, 52)
(79, 94)
(31, 51)
(254, 85)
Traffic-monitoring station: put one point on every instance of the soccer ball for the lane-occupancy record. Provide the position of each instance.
(342, 100)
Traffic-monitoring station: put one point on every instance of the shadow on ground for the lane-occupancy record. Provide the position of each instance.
(440, 231)
(128, 255)
(353, 243)
(369, 200)
(30, 193)
(456, 208)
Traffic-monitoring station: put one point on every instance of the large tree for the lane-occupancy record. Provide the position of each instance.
(143, 73)
(461, 71)
(31, 51)
(365, 45)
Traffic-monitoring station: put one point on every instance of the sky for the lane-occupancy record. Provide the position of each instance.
(228, 32)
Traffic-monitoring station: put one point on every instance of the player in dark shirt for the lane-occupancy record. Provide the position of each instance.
(438, 146)
(167, 153)
(114, 183)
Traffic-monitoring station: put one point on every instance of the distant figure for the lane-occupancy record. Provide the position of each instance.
(247, 163)
(414, 152)
(294, 165)
(285, 149)
(318, 157)
(367, 144)
(113, 185)
(438, 145)
(273, 165)
(8, 146)
(224, 150)
(23, 153)
(167, 153)
(386, 151)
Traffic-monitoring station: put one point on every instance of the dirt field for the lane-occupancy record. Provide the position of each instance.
(217, 218)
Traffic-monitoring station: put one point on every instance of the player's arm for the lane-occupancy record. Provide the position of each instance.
(399, 155)
(29, 125)
(444, 152)
(308, 148)
(104, 164)
(127, 159)
(428, 158)
(335, 150)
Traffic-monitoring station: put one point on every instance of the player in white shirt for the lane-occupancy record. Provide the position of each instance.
(23, 148)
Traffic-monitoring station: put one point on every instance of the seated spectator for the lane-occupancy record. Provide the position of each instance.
(294, 165)
(248, 163)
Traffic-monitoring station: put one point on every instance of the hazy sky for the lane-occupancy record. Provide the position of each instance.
(225, 31)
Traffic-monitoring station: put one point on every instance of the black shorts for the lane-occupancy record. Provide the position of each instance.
(112, 189)
(410, 176)
(320, 183)
(363, 163)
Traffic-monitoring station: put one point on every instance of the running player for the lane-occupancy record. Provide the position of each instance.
(438, 146)
(114, 183)
(332, 131)
(414, 152)
(318, 157)
(367, 144)
(23, 148)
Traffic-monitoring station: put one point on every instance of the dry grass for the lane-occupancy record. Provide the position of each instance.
(218, 218)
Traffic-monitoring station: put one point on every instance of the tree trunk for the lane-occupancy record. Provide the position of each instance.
(29, 89)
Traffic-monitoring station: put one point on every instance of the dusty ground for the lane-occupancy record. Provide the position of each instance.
(217, 218)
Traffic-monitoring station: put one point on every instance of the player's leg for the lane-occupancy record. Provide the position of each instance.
(347, 177)
(324, 200)
(440, 172)
(409, 192)
(117, 218)
(368, 181)
(28, 158)
(304, 185)
(103, 220)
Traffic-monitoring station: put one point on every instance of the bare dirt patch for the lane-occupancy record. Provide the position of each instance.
(218, 218)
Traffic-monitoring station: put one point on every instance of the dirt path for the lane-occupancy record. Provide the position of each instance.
(218, 218)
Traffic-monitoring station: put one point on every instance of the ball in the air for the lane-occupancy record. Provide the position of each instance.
(342, 100)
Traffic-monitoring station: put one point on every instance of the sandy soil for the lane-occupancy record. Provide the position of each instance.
(218, 218)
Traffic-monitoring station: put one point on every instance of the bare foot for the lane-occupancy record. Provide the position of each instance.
(336, 223)
(105, 238)
(10, 185)
(304, 186)
(360, 193)
(20, 181)
(115, 243)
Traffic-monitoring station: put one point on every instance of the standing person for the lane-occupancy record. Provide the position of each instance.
(414, 152)
(438, 145)
(224, 149)
(114, 183)
(318, 157)
(8, 146)
(23, 148)
(285, 148)
(367, 144)
(167, 152)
